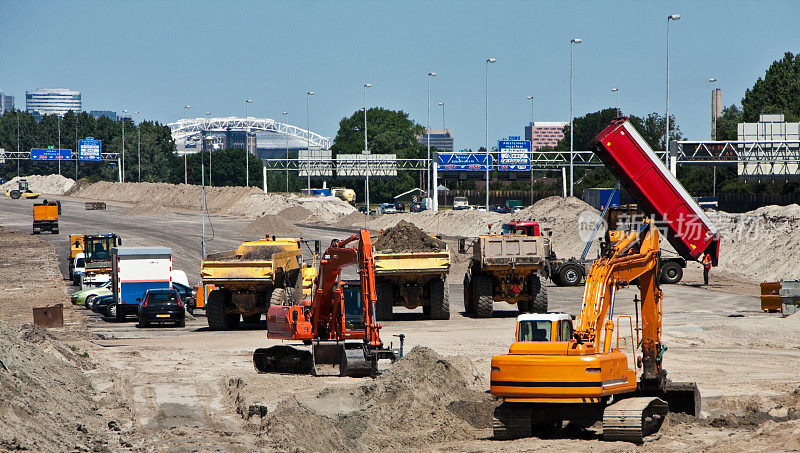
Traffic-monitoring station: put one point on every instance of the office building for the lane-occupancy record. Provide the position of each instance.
(52, 101)
(544, 133)
(105, 113)
(6, 102)
(441, 139)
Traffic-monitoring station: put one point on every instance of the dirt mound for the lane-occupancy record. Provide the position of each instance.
(321, 209)
(296, 214)
(270, 225)
(47, 402)
(148, 209)
(355, 219)
(47, 184)
(406, 237)
(79, 185)
(423, 399)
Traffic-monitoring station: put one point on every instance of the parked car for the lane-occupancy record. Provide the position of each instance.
(460, 203)
(80, 297)
(78, 268)
(399, 206)
(500, 209)
(101, 304)
(363, 210)
(161, 305)
(387, 208)
(480, 208)
(417, 206)
(186, 293)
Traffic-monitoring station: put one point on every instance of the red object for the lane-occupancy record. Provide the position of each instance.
(657, 191)
(531, 227)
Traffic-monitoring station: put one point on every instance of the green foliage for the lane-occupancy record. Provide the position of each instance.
(727, 124)
(777, 92)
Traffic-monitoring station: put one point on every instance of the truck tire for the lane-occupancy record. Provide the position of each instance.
(440, 300)
(215, 312)
(76, 280)
(120, 314)
(468, 305)
(484, 302)
(384, 305)
(15, 194)
(252, 319)
(570, 275)
(539, 302)
(294, 287)
(671, 273)
(279, 296)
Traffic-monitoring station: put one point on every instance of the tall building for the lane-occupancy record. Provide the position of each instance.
(106, 113)
(52, 101)
(544, 133)
(716, 110)
(441, 139)
(6, 102)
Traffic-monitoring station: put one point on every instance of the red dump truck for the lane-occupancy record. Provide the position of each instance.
(658, 191)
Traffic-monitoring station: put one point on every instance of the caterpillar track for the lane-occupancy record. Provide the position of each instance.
(633, 419)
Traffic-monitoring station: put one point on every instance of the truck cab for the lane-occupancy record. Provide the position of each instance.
(522, 228)
(460, 203)
(97, 248)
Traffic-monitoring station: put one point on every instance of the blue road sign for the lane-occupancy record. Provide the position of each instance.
(51, 154)
(515, 155)
(463, 161)
(90, 149)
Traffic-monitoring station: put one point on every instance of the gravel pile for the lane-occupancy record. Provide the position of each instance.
(405, 237)
(270, 225)
(148, 209)
(46, 184)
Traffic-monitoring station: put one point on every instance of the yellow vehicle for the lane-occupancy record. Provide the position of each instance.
(23, 190)
(507, 267)
(249, 279)
(555, 371)
(412, 280)
(348, 195)
(45, 216)
(76, 243)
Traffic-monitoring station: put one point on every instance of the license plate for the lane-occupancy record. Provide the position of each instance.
(162, 316)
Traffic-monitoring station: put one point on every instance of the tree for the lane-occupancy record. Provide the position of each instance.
(727, 124)
(777, 92)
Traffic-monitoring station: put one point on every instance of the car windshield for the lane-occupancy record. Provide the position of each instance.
(511, 229)
(79, 263)
(534, 330)
(162, 298)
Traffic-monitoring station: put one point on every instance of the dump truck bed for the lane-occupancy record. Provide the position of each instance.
(657, 191)
(511, 250)
(45, 212)
(412, 263)
(251, 262)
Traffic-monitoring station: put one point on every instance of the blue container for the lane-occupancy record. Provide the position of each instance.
(598, 197)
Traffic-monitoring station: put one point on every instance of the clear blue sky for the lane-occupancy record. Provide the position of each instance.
(157, 56)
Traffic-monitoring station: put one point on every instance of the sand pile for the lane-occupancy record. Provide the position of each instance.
(406, 237)
(148, 209)
(355, 219)
(296, 214)
(322, 209)
(218, 199)
(47, 402)
(47, 184)
(423, 399)
(270, 225)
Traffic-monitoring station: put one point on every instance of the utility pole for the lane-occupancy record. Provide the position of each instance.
(366, 148)
(247, 145)
(428, 134)
(59, 143)
(571, 128)
(488, 156)
(139, 147)
(185, 164)
(667, 158)
(286, 163)
(308, 139)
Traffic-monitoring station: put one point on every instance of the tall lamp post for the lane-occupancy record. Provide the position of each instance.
(139, 148)
(714, 107)
(667, 159)
(366, 147)
(435, 164)
(122, 162)
(428, 134)
(210, 149)
(486, 106)
(530, 156)
(287, 153)
(571, 118)
(58, 118)
(308, 139)
(185, 165)
(616, 90)
(247, 144)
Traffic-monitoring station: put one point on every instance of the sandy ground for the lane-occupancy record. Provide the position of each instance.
(194, 389)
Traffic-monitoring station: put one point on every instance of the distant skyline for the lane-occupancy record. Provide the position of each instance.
(157, 56)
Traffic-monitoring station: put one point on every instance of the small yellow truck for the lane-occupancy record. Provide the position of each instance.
(412, 279)
(45, 216)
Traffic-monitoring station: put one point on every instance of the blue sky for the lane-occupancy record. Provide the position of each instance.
(157, 56)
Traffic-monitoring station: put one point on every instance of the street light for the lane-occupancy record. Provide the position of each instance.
(58, 118)
(122, 162)
(185, 166)
(308, 139)
(616, 90)
(435, 164)
(287, 154)
(428, 134)
(139, 148)
(247, 144)
(530, 156)
(571, 127)
(366, 148)
(210, 148)
(488, 158)
(671, 17)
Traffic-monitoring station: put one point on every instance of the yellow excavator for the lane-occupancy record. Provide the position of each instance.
(556, 371)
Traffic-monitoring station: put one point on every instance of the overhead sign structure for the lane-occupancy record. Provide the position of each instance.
(90, 149)
(315, 161)
(355, 165)
(51, 154)
(515, 154)
(463, 161)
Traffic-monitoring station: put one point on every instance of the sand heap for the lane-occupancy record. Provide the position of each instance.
(405, 237)
(423, 399)
(270, 225)
(321, 209)
(46, 184)
(148, 209)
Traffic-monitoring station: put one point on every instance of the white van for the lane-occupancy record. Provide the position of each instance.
(78, 268)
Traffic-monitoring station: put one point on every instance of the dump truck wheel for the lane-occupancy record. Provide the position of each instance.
(523, 306)
(570, 275)
(384, 304)
(539, 302)
(15, 194)
(468, 308)
(278, 297)
(215, 312)
(440, 300)
(295, 291)
(671, 273)
(484, 303)
(252, 319)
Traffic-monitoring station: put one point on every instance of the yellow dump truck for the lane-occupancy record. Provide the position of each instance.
(251, 278)
(45, 216)
(411, 280)
(76, 243)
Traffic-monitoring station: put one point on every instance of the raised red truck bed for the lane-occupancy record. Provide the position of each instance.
(658, 192)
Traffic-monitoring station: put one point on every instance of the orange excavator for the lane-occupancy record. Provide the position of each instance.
(557, 372)
(338, 322)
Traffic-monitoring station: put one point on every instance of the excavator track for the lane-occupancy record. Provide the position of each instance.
(633, 419)
(283, 359)
(512, 421)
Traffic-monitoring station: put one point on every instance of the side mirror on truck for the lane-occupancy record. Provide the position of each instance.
(462, 245)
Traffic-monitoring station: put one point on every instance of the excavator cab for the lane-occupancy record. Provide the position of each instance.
(544, 327)
(352, 308)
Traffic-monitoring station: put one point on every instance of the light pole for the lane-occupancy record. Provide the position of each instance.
(210, 149)
(18, 142)
(435, 164)
(530, 98)
(667, 159)
(428, 134)
(139, 147)
(185, 165)
(714, 107)
(247, 144)
(571, 127)
(77, 150)
(530, 156)
(308, 140)
(122, 162)
(287, 153)
(488, 157)
(366, 148)
(58, 118)
(616, 90)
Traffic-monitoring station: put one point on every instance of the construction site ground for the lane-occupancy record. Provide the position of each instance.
(194, 389)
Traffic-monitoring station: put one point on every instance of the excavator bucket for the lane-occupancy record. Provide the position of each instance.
(682, 397)
(283, 359)
(343, 359)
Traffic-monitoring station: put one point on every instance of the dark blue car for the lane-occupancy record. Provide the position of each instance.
(161, 305)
